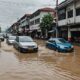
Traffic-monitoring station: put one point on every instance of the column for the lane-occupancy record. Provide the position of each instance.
(69, 34)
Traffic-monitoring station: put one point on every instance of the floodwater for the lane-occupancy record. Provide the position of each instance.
(44, 65)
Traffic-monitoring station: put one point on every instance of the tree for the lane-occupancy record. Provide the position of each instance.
(46, 25)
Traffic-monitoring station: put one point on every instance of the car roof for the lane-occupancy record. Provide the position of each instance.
(12, 36)
(24, 36)
(55, 38)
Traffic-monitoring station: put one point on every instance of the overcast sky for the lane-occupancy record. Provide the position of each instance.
(11, 10)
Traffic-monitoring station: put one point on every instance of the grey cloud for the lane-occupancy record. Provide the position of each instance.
(11, 10)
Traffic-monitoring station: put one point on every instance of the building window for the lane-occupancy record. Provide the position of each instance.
(32, 23)
(37, 21)
(62, 14)
(77, 11)
(70, 13)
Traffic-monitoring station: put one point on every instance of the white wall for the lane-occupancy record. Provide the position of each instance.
(77, 17)
(23, 22)
(41, 15)
(74, 19)
(35, 26)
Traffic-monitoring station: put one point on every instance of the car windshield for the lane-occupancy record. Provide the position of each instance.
(12, 37)
(61, 41)
(25, 39)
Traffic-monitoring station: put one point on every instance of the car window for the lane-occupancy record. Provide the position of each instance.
(61, 41)
(12, 37)
(25, 39)
(17, 39)
(52, 41)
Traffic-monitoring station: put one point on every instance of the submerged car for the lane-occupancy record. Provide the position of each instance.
(25, 44)
(10, 40)
(59, 44)
(1, 37)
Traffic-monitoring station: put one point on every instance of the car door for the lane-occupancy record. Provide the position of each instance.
(16, 42)
(52, 44)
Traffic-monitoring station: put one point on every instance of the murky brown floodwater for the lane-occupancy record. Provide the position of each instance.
(44, 65)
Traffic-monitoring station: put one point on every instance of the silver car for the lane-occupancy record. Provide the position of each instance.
(10, 40)
(25, 44)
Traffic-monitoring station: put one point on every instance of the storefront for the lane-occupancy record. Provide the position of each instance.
(75, 34)
(63, 32)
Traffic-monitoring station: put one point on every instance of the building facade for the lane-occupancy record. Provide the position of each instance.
(36, 19)
(23, 24)
(29, 24)
(69, 20)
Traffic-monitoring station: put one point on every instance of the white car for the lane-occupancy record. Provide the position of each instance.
(25, 44)
(10, 40)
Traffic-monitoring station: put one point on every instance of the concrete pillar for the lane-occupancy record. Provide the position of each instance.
(69, 34)
(74, 11)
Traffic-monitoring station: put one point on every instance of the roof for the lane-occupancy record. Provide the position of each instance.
(47, 9)
(55, 38)
(26, 15)
(64, 3)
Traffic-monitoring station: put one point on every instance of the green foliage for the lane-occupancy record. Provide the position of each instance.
(46, 24)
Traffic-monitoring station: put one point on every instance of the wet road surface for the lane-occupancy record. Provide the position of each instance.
(44, 65)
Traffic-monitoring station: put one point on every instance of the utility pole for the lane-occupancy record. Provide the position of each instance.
(56, 18)
(0, 29)
(0, 39)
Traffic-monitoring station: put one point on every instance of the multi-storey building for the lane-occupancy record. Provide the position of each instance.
(36, 18)
(29, 23)
(69, 19)
(24, 23)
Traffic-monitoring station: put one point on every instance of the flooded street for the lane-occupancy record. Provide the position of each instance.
(44, 65)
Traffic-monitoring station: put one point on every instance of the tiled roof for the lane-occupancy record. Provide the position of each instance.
(47, 9)
(65, 3)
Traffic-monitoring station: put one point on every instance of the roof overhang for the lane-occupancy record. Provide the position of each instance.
(65, 3)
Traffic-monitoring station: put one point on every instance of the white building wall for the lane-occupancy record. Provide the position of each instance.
(77, 17)
(36, 26)
(23, 22)
(70, 20)
(62, 22)
(74, 19)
